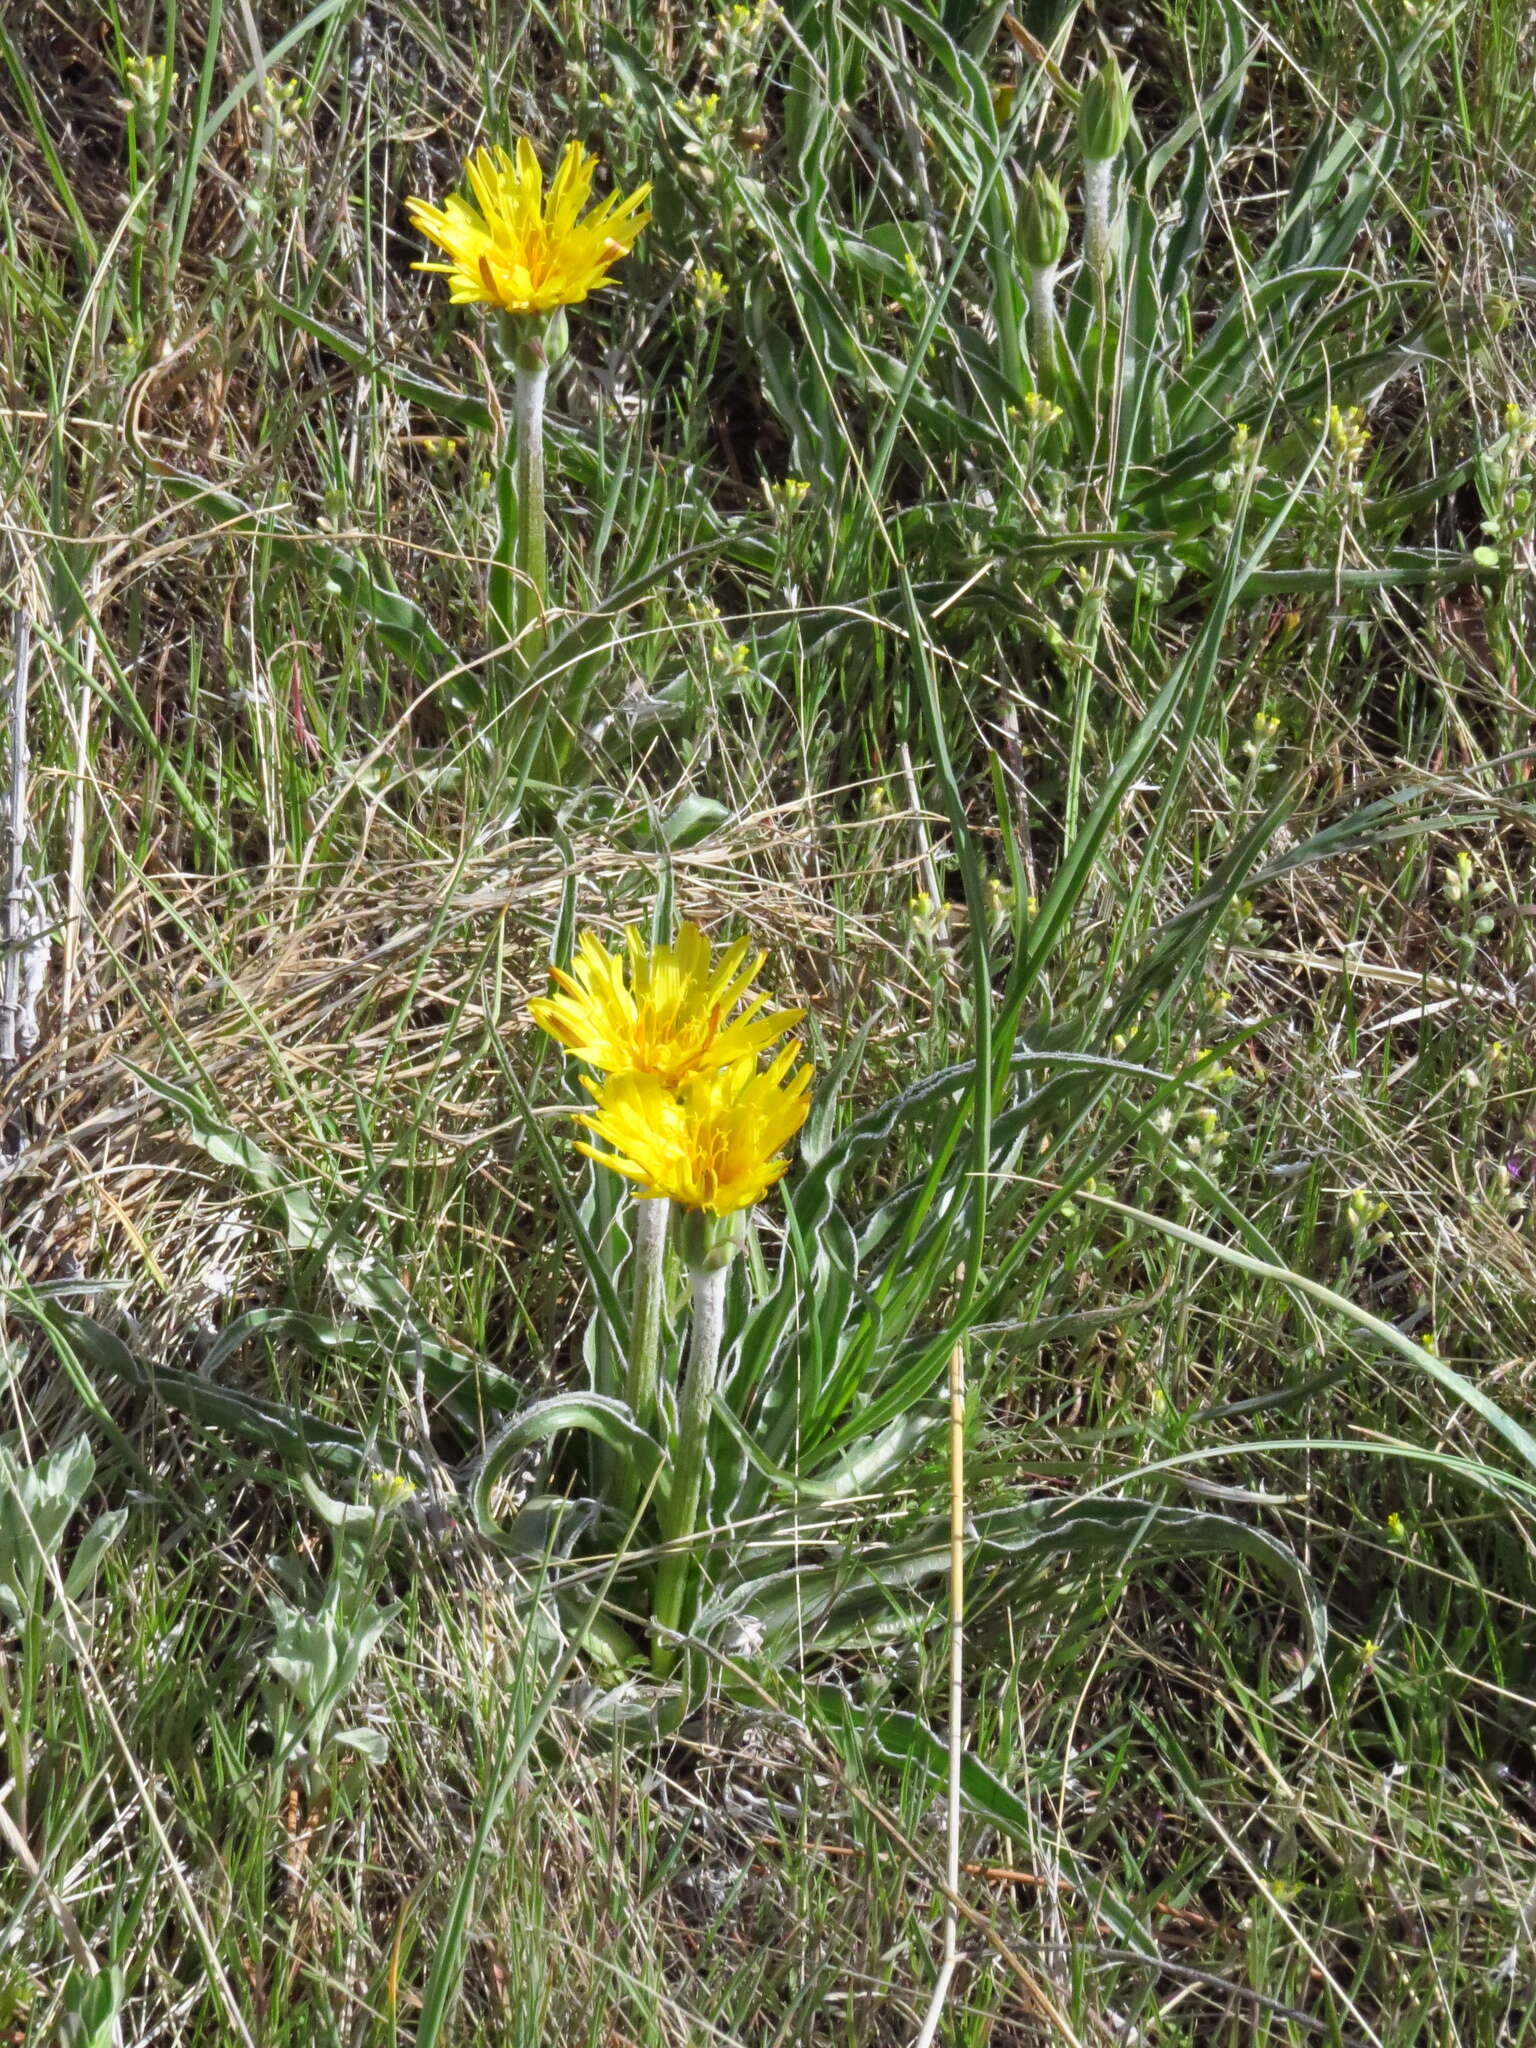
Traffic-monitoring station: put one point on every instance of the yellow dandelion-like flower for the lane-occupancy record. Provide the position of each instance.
(663, 1011)
(522, 249)
(710, 1144)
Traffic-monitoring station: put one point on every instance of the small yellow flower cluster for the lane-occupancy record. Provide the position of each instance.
(1362, 1212)
(1262, 736)
(1457, 884)
(149, 80)
(710, 290)
(1040, 412)
(730, 659)
(929, 919)
(279, 105)
(786, 496)
(741, 23)
(1000, 901)
(686, 1108)
(388, 1490)
(702, 112)
(1242, 467)
(1521, 429)
(1348, 435)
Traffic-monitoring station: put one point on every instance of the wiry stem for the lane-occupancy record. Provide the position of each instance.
(11, 931)
(689, 1459)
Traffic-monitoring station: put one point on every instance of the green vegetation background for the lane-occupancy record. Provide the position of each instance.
(1210, 699)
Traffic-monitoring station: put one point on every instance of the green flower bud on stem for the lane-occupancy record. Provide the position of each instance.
(1103, 115)
(1103, 122)
(1042, 223)
(1042, 244)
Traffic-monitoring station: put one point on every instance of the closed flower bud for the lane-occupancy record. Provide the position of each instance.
(1042, 223)
(1104, 115)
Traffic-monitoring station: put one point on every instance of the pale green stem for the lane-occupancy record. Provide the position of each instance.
(1007, 312)
(1042, 324)
(647, 1279)
(689, 1457)
(531, 600)
(1098, 218)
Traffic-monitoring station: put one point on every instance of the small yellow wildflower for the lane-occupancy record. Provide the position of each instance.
(521, 249)
(660, 1011)
(388, 1490)
(1362, 1212)
(928, 918)
(785, 498)
(709, 1145)
(1348, 435)
(149, 81)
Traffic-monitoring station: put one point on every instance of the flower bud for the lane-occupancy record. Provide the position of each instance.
(1042, 223)
(1104, 115)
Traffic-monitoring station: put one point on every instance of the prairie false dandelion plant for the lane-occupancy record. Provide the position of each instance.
(687, 1116)
(531, 253)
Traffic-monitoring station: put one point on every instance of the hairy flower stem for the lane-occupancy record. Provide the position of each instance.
(688, 1461)
(1042, 324)
(1098, 219)
(647, 1276)
(531, 598)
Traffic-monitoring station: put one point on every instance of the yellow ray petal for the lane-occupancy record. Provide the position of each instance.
(660, 1010)
(514, 245)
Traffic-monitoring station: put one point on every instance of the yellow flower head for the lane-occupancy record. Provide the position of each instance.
(519, 249)
(710, 1144)
(659, 1010)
